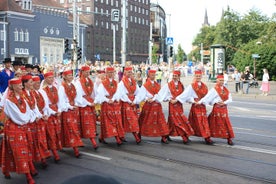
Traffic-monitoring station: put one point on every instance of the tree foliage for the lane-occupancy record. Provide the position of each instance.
(180, 56)
(252, 33)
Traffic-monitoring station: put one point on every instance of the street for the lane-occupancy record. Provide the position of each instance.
(251, 160)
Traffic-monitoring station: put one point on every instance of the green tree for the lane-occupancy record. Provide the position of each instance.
(180, 56)
(154, 55)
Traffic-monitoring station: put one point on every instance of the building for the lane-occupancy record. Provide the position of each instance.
(159, 31)
(101, 34)
(33, 31)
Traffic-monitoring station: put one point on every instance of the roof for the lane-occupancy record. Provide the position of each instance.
(11, 5)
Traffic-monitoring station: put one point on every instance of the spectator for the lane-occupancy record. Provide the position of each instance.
(225, 75)
(237, 78)
(246, 79)
(265, 83)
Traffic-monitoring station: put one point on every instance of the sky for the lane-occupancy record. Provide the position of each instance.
(185, 17)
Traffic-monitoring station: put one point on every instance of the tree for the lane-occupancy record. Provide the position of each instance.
(155, 56)
(180, 56)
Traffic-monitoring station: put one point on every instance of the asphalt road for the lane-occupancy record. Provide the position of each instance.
(251, 160)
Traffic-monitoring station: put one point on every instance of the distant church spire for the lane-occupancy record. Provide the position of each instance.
(205, 23)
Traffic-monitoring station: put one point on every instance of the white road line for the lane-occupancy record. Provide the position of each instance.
(262, 135)
(96, 156)
(241, 109)
(259, 150)
(254, 103)
(243, 128)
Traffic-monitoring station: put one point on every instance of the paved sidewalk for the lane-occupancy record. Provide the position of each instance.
(254, 93)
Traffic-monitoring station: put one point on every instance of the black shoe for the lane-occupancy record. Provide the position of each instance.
(169, 138)
(209, 142)
(102, 141)
(7, 176)
(123, 140)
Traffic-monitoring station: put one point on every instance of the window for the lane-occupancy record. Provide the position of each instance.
(111, 2)
(27, 36)
(117, 4)
(2, 35)
(21, 36)
(96, 9)
(96, 23)
(61, 1)
(16, 35)
(106, 1)
(107, 25)
(88, 9)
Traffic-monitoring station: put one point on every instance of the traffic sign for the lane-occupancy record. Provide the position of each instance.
(169, 40)
(255, 56)
(115, 15)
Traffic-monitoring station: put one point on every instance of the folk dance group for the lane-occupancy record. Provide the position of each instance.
(44, 118)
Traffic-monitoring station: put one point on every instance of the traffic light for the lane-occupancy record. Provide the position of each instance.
(66, 45)
(171, 51)
(79, 53)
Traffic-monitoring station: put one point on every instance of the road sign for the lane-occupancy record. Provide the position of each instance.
(255, 56)
(115, 15)
(169, 40)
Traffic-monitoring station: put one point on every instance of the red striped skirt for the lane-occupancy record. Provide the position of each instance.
(53, 129)
(87, 122)
(15, 152)
(178, 122)
(130, 117)
(111, 120)
(199, 121)
(70, 133)
(219, 122)
(152, 120)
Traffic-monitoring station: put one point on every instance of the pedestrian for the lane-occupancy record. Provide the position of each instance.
(53, 125)
(111, 118)
(218, 119)
(159, 76)
(41, 122)
(265, 83)
(226, 78)
(85, 100)
(16, 154)
(198, 114)
(6, 74)
(139, 78)
(69, 113)
(246, 80)
(129, 89)
(152, 119)
(177, 121)
(237, 77)
(32, 133)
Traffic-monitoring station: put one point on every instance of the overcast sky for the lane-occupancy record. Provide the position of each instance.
(185, 17)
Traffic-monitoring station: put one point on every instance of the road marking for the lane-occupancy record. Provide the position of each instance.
(242, 109)
(243, 128)
(267, 104)
(96, 156)
(259, 150)
(262, 135)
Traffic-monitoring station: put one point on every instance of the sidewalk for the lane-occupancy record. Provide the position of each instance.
(254, 93)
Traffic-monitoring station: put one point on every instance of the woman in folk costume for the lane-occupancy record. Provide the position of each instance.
(198, 114)
(32, 128)
(85, 102)
(128, 90)
(41, 123)
(53, 126)
(178, 122)
(16, 155)
(219, 121)
(69, 117)
(152, 119)
(111, 118)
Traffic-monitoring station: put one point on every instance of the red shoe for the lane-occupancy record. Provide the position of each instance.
(185, 139)
(209, 141)
(230, 142)
(118, 140)
(164, 140)
(76, 152)
(30, 179)
(7, 175)
(136, 136)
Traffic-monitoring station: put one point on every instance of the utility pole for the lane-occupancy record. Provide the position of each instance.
(150, 45)
(201, 54)
(123, 54)
(75, 34)
(114, 43)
